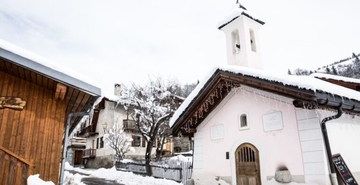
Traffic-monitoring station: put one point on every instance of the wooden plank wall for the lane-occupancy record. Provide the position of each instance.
(34, 133)
(17, 169)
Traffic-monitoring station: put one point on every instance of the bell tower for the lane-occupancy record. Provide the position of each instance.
(242, 39)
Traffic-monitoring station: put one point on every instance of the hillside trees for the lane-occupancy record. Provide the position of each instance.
(349, 67)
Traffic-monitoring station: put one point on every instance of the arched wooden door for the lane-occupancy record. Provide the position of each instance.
(247, 165)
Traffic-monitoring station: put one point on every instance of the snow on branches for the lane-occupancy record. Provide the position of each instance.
(118, 140)
(151, 106)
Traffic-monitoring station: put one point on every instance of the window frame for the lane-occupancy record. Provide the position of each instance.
(240, 118)
(134, 143)
(235, 39)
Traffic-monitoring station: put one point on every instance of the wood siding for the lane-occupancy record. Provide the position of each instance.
(77, 100)
(34, 133)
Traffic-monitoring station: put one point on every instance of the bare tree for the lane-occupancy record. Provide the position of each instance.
(118, 140)
(152, 106)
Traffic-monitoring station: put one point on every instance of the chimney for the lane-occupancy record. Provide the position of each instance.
(117, 89)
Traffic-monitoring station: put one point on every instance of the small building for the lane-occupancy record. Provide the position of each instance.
(75, 149)
(36, 97)
(249, 124)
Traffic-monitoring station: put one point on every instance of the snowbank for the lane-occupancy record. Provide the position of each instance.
(127, 178)
(35, 180)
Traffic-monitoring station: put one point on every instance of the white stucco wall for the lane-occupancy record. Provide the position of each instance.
(313, 150)
(110, 117)
(298, 145)
(276, 148)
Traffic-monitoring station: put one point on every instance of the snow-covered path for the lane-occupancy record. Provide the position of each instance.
(78, 175)
(128, 178)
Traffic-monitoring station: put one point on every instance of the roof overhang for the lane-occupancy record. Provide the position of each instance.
(222, 82)
(49, 72)
(79, 95)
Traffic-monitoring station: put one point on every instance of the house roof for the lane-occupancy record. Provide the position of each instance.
(304, 90)
(351, 83)
(80, 92)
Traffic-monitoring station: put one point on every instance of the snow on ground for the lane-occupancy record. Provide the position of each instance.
(35, 180)
(205, 179)
(127, 178)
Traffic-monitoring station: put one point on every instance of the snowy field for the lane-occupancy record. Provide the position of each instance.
(129, 178)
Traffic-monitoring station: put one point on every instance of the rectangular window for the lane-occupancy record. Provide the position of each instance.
(243, 121)
(97, 143)
(136, 141)
(101, 142)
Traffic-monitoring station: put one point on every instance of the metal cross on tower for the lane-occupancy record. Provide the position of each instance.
(240, 6)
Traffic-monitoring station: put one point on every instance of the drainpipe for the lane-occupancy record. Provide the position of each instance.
(193, 153)
(67, 128)
(333, 177)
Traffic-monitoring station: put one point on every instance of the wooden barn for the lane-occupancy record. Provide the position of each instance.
(36, 97)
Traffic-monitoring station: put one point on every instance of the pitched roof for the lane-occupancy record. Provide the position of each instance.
(303, 89)
(235, 13)
(351, 83)
(45, 67)
(80, 92)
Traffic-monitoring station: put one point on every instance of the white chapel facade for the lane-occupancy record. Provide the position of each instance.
(249, 125)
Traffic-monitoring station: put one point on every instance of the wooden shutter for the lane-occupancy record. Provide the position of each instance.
(133, 141)
(143, 142)
(101, 142)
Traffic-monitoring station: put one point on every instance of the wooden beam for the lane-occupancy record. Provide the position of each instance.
(188, 130)
(16, 156)
(60, 91)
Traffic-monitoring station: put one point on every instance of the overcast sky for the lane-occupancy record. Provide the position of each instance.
(115, 41)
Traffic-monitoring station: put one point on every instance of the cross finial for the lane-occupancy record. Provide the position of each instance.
(240, 6)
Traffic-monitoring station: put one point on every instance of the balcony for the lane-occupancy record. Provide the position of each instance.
(89, 153)
(130, 125)
(88, 131)
(77, 142)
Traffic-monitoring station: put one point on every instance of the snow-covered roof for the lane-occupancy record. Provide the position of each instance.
(34, 62)
(301, 82)
(233, 14)
(335, 77)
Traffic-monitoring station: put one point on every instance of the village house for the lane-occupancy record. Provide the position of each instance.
(75, 149)
(37, 98)
(107, 113)
(250, 126)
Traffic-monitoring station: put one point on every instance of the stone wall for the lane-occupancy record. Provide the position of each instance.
(100, 162)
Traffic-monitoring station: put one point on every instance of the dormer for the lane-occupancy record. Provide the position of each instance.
(242, 38)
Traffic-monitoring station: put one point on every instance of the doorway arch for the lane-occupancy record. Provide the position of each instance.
(247, 165)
